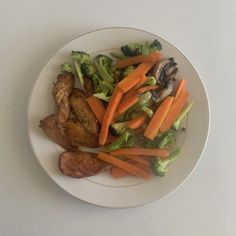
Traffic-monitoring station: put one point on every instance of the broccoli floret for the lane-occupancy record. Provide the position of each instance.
(105, 67)
(102, 96)
(66, 67)
(119, 142)
(155, 46)
(117, 55)
(118, 128)
(183, 114)
(148, 111)
(151, 80)
(127, 71)
(163, 140)
(159, 166)
(132, 49)
(79, 59)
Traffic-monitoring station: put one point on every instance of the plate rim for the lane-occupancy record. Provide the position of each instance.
(185, 178)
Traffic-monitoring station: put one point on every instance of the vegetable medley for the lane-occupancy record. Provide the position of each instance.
(129, 104)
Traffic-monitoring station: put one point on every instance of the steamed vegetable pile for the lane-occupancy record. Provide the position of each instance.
(138, 103)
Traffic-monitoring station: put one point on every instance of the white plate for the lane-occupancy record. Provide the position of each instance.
(102, 190)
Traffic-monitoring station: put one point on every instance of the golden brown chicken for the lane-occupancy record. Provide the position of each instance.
(83, 112)
(79, 135)
(80, 164)
(61, 91)
(56, 133)
(88, 86)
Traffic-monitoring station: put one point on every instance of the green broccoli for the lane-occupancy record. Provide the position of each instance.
(127, 71)
(132, 49)
(118, 128)
(135, 49)
(105, 67)
(183, 114)
(148, 111)
(119, 142)
(79, 59)
(155, 46)
(66, 67)
(102, 96)
(159, 166)
(117, 55)
(90, 72)
(163, 140)
(151, 80)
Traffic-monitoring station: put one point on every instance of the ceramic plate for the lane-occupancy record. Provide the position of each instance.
(102, 190)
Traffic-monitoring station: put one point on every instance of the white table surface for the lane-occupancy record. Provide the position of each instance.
(31, 32)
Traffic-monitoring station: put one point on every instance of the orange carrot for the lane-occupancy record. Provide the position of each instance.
(147, 152)
(158, 118)
(136, 122)
(97, 107)
(142, 80)
(109, 114)
(153, 57)
(123, 165)
(174, 111)
(147, 88)
(181, 86)
(138, 159)
(127, 103)
(134, 77)
(118, 173)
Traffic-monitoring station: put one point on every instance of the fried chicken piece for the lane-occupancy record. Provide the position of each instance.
(83, 112)
(88, 86)
(80, 164)
(56, 133)
(79, 135)
(61, 92)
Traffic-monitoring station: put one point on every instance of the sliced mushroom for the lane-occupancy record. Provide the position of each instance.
(159, 95)
(164, 70)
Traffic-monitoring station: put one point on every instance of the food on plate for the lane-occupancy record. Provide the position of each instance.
(57, 133)
(79, 134)
(61, 91)
(80, 164)
(82, 111)
(130, 107)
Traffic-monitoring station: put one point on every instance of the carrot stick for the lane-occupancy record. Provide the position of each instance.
(136, 122)
(118, 173)
(153, 57)
(158, 118)
(181, 86)
(109, 114)
(142, 80)
(134, 77)
(123, 165)
(127, 103)
(147, 152)
(147, 88)
(97, 107)
(138, 159)
(174, 111)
